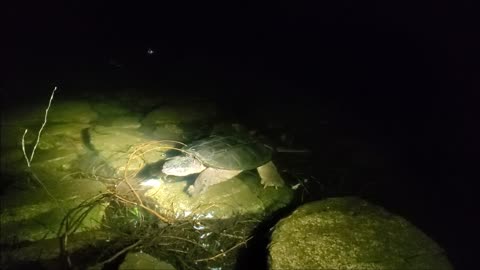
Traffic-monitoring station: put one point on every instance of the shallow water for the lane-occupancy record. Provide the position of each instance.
(84, 151)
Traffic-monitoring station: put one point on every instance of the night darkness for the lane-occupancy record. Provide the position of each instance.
(403, 77)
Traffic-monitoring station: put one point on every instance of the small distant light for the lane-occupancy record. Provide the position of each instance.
(150, 51)
(151, 183)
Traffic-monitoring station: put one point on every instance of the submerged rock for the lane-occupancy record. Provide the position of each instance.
(183, 113)
(46, 254)
(126, 122)
(72, 112)
(114, 148)
(110, 139)
(242, 195)
(109, 109)
(34, 214)
(201, 232)
(168, 132)
(138, 260)
(350, 233)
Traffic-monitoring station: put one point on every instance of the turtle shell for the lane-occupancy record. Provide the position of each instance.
(230, 152)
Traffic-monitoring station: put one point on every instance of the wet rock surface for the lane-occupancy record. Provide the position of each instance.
(240, 196)
(350, 233)
(105, 145)
(87, 148)
(139, 260)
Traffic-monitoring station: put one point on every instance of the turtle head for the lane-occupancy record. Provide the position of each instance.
(182, 166)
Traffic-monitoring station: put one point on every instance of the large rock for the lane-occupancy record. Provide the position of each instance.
(130, 121)
(350, 233)
(123, 149)
(110, 109)
(242, 195)
(36, 214)
(112, 139)
(46, 254)
(183, 113)
(59, 142)
(72, 112)
(168, 132)
(138, 260)
(205, 231)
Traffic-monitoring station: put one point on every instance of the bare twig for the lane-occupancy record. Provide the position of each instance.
(121, 252)
(225, 252)
(180, 238)
(159, 216)
(44, 123)
(138, 152)
(23, 148)
(29, 160)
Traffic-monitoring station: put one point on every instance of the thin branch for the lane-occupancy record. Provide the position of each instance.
(43, 125)
(159, 216)
(121, 252)
(29, 160)
(225, 252)
(23, 148)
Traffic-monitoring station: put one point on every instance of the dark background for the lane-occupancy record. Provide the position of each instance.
(404, 76)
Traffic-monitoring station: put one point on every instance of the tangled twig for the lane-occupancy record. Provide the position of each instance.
(155, 213)
(116, 255)
(225, 252)
(137, 153)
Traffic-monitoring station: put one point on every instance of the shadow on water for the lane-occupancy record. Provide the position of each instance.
(256, 251)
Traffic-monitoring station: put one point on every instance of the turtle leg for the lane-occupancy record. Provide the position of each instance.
(270, 176)
(209, 177)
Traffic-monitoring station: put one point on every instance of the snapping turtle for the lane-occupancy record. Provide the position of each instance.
(220, 158)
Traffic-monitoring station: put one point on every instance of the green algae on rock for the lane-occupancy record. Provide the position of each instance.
(72, 112)
(31, 215)
(242, 195)
(180, 113)
(350, 233)
(139, 260)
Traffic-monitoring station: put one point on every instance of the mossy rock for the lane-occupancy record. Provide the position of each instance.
(43, 221)
(350, 233)
(111, 108)
(168, 132)
(31, 215)
(182, 113)
(128, 121)
(114, 148)
(138, 260)
(71, 112)
(109, 139)
(242, 195)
